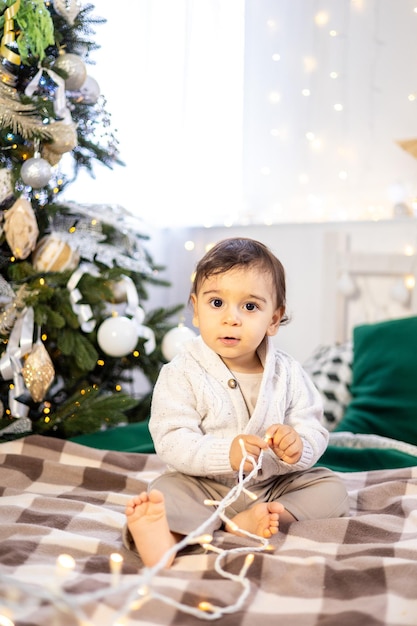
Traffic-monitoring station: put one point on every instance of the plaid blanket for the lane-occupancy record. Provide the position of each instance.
(60, 497)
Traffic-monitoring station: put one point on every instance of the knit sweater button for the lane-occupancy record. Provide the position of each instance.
(232, 383)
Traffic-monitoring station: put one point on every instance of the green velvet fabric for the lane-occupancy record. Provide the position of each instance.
(130, 438)
(357, 460)
(384, 382)
(136, 438)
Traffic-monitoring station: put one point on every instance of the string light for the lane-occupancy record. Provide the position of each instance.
(274, 97)
(65, 563)
(135, 591)
(400, 293)
(326, 58)
(189, 245)
(116, 563)
(321, 18)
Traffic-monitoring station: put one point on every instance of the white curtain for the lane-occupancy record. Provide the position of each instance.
(172, 74)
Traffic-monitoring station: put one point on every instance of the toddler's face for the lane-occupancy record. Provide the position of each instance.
(234, 311)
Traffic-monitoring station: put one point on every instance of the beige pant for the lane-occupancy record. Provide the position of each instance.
(317, 493)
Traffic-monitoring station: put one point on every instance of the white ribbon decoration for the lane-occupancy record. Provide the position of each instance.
(60, 102)
(138, 314)
(20, 343)
(84, 312)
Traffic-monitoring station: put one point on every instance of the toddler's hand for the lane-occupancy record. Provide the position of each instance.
(253, 446)
(285, 442)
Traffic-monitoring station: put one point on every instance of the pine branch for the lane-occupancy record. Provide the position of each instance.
(91, 389)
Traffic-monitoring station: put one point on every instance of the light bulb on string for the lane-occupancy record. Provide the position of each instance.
(410, 281)
(134, 591)
(346, 285)
(400, 293)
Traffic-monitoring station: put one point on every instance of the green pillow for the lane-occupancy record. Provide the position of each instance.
(384, 381)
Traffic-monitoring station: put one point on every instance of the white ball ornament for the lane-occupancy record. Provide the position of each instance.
(117, 336)
(119, 291)
(174, 340)
(36, 172)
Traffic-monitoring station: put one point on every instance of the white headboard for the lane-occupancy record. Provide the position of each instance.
(364, 287)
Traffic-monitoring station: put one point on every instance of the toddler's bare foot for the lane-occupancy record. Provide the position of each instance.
(148, 525)
(262, 519)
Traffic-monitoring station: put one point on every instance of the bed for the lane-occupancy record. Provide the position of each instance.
(63, 561)
(63, 498)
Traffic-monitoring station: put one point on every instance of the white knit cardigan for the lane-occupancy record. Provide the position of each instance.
(196, 412)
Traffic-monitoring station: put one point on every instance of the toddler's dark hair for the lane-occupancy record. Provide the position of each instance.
(240, 252)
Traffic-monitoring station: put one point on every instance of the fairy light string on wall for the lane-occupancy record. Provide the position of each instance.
(135, 591)
(322, 146)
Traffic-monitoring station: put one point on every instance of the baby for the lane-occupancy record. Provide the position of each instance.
(228, 394)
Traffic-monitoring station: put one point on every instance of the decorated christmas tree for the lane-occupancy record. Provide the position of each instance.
(74, 277)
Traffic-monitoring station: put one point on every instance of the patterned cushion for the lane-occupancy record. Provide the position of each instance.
(330, 368)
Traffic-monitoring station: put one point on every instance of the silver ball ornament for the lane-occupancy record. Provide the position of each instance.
(75, 68)
(36, 172)
(90, 90)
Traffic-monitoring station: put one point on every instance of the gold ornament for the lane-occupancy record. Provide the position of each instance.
(38, 372)
(6, 187)
(64, 139)
(119, 291)
(75, 70)
(21, 228)
(13, 306)
(49, 155)
(54, 255)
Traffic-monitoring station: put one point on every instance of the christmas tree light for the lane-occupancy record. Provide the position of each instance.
(62, 263)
